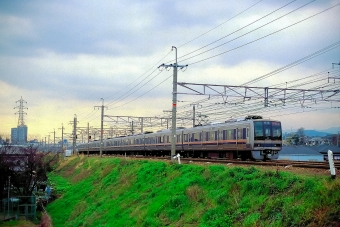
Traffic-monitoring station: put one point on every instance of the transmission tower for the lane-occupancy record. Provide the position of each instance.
(21, 112)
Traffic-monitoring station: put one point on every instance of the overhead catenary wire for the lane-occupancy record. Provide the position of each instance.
(143, 93)
(131, 90)
(221, 24)
(126, 93)
(239, 30)
(243, 35)
(259, 104)
(88, 116)
(255, 40)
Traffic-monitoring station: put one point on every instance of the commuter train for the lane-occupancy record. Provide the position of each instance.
(249, 138)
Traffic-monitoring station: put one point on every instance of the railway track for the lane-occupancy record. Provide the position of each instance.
(278, 163)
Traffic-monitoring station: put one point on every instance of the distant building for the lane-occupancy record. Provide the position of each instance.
(19, 135)
(14, 135)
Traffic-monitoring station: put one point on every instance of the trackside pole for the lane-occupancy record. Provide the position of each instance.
(178, 156)
(331, 164)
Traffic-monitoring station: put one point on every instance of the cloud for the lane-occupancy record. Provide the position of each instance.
(64, 56)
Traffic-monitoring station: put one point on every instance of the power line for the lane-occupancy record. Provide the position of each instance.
(238, 31)
(258, 38)
(317, 53)
(127, 92)
(142, 94)
(221, 24)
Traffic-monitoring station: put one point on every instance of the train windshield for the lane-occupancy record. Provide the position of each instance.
(270, 130)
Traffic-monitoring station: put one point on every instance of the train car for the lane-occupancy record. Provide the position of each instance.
(249, 138)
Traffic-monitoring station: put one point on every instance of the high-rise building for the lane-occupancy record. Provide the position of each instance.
(14, 135)
(19, 135)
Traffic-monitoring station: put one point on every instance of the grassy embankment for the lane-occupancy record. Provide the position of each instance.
(118, 192)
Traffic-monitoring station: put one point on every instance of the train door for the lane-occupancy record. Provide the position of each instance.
(235, 137)
(247, 136)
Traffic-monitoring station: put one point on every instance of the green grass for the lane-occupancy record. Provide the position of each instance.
(21, 223)
(119, 192)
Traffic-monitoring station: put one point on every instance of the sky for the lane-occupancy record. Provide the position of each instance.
(66, 58)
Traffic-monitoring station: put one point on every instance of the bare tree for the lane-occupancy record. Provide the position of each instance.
(26, 166)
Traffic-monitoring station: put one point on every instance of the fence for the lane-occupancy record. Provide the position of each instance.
(20, 206)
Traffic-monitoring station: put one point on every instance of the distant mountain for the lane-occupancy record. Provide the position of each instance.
(313, 133)
(333, 130)
(317, 133)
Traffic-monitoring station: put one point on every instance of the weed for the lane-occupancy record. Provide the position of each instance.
(217, 217)
(195, 193)
(114, 192)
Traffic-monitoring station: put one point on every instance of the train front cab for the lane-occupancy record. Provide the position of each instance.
(267, 139)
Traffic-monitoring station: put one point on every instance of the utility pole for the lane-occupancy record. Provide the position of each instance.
(88, 138)
(132, 128)
(53, 138)
(62, 137)
(194, 113)
(141, 125)
(101, 126)
(48, 141)
(74, 134)
(174, 102)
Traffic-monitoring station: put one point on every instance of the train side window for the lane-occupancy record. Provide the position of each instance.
(197, 136)
(239, 133)
(179, 138)
(185, 137)
(206, 136)
(212, 136)
(230, 134)
(220, 136)
(224, 134)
